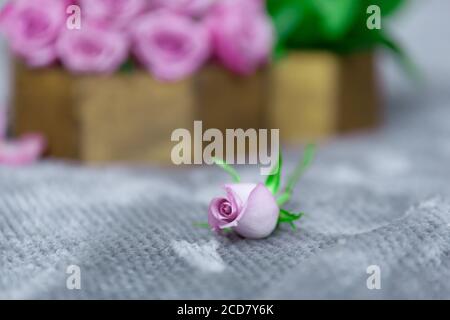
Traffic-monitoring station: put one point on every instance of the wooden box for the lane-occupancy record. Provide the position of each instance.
(229, 101)
(318, 94)
(127, 117)
(130, 116)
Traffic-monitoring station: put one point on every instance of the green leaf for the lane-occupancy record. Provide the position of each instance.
(286, 16)
(288, 217)
(410, 68)
(127, 67)
(332, 25)
(203, 225)
(284, 198)
(286, 19)
(336, 16)
(308, 157)
(230, 170)
(273, 180)
(279, 51)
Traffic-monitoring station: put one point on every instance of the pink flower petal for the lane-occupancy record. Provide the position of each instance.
(195, 8)
(32, 28)
(213, 214)
(260, 216)
(92, 50)
(242, 190)
(116, 14)
(169, 45)
(242, 35)
(22, 151)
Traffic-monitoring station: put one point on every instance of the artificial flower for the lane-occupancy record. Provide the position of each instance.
(171, 46)
(32, 28)
(25, 150)
(92, 49)
(254, 210)
(195, 8)
(250, 209)
(22, 151)
(242, 35)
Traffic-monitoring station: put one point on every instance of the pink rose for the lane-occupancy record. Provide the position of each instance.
(112, 13)
(22, 151)
(25, 150)
(242, 35)
(195, 8)
(249, 209)
(92, 49)
(32, 28)
(169, 45)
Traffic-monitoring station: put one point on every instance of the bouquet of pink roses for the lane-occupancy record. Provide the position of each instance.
(170, 38)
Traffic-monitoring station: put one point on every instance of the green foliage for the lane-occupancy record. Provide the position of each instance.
(289, 217)
(336, 25)
(273, 181)
(228, 169)
(301, 167)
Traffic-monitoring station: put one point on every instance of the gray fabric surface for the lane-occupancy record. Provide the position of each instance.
(382, 198)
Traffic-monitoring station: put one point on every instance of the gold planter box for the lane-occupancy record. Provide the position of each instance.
(317, 95)
(130, 116)
(126, 117)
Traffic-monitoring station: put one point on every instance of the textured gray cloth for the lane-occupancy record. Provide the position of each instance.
(381, 198)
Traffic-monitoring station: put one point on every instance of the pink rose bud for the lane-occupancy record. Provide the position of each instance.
(92, 50)
(169, 45)
(242, 35)
(112, 13)
(195, 8)
(32, 28)
(249, 209)
(22, 151)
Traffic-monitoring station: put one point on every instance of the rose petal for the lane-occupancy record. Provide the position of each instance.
(260, 215)
(41, 57)
(242, 35)
(195, 8)
(34, 44)
(234, 198)
(169, 45)
(23, 151)
(242, 190)
(92, 50)
(213, 213)
(113, 14)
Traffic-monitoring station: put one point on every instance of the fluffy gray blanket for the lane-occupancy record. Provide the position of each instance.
(381, 199)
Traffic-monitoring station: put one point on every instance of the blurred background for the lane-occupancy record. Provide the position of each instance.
(379, 197)
(420, 29)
